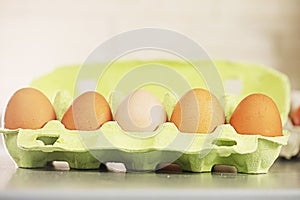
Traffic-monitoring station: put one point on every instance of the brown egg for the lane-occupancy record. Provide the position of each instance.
(295, 117)
(28, 108)
(257, 114)
(198, 111)
(89, 111)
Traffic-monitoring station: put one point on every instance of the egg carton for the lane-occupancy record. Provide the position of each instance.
(145, 151)
(193, 152)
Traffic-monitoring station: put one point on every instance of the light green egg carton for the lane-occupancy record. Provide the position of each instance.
(145, 151)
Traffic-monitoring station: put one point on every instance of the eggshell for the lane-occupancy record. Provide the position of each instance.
(140, 111)
(198, 111)
(257, 114)
(89, 111)
(28, 108)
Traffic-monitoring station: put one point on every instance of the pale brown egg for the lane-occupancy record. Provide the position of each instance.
(89, 111)
(140, 111)
(28, 108)
(257, 114)
(198, 111)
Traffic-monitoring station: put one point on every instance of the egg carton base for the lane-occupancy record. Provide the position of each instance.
(253, 163)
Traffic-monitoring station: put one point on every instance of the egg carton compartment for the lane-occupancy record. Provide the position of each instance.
(193, 152)
(145, 151)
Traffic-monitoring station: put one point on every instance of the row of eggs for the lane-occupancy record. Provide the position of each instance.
(198, 111)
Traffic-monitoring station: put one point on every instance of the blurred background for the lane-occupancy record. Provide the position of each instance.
(37, 36)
